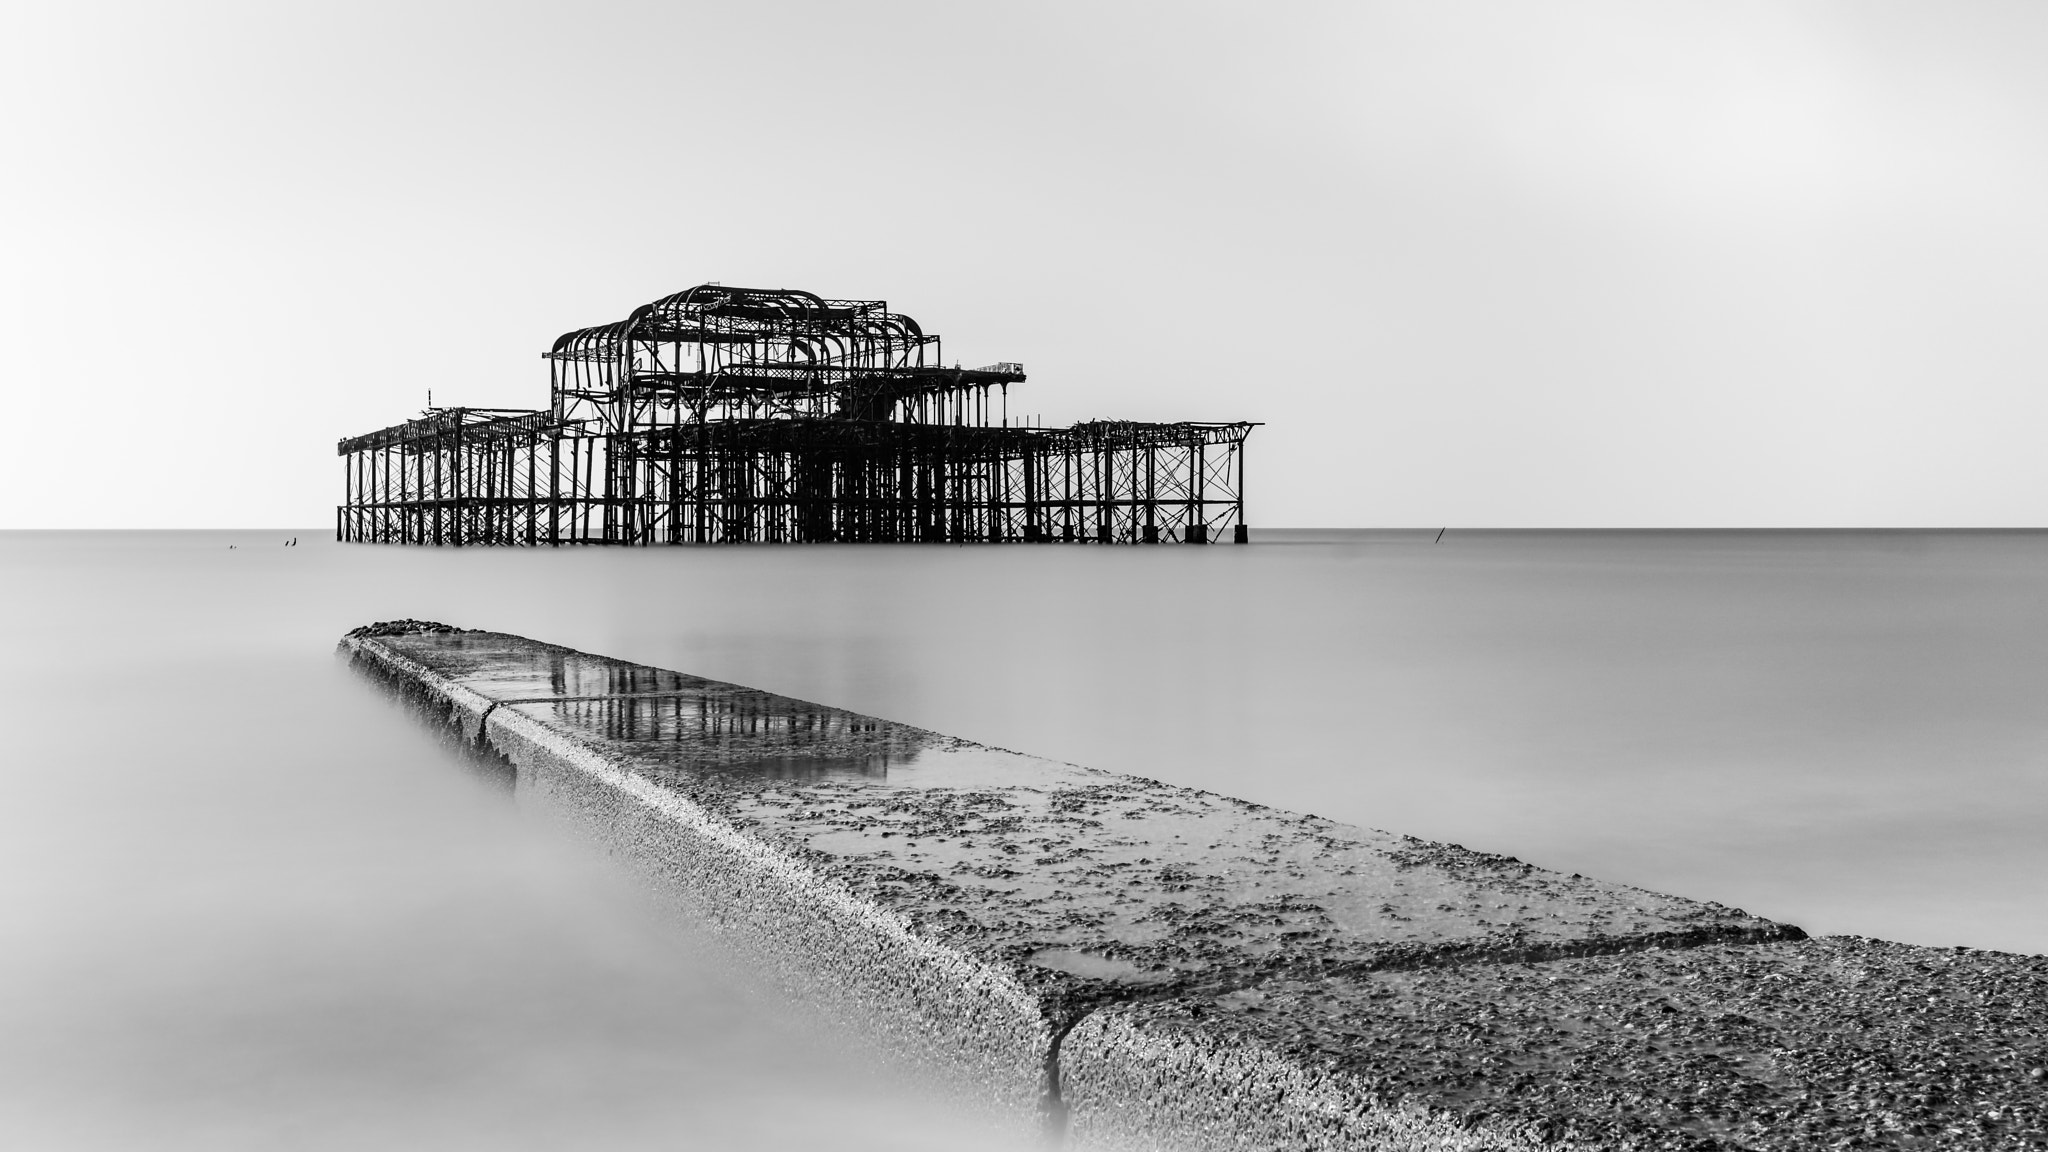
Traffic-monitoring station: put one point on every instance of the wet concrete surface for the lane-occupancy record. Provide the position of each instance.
(1055, 866)
(1839, 1042)
(967, 905)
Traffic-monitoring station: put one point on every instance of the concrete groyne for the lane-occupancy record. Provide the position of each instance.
(1124, 963)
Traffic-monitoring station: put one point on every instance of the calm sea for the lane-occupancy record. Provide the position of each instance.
(249, 905)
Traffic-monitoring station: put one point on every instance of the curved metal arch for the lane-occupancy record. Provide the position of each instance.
(701, 300)
(745, 331)
(577, 344)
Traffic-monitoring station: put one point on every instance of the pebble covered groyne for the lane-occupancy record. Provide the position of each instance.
(1123, 963)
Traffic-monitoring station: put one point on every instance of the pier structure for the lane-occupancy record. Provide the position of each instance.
(1122, 964)
(740, 415)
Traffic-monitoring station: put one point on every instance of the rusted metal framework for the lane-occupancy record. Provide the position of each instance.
(738, 415)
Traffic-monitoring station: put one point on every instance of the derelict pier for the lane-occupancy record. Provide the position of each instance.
(738, 415)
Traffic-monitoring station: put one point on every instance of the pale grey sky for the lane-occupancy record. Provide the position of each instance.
(1508, 264)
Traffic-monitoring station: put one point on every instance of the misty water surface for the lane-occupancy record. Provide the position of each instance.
(250, 905)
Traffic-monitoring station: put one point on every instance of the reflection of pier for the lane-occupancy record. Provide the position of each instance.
(665, 715)
(727, 415)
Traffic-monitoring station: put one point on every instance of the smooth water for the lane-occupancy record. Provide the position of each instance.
(249, 904)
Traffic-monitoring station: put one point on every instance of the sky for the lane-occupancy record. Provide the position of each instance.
(1512, 265)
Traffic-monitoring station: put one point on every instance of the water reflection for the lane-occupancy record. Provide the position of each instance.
(675, 722)
(713, 727)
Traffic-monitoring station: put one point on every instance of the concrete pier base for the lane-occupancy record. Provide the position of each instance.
(1829, 1043)
(1123, 963)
